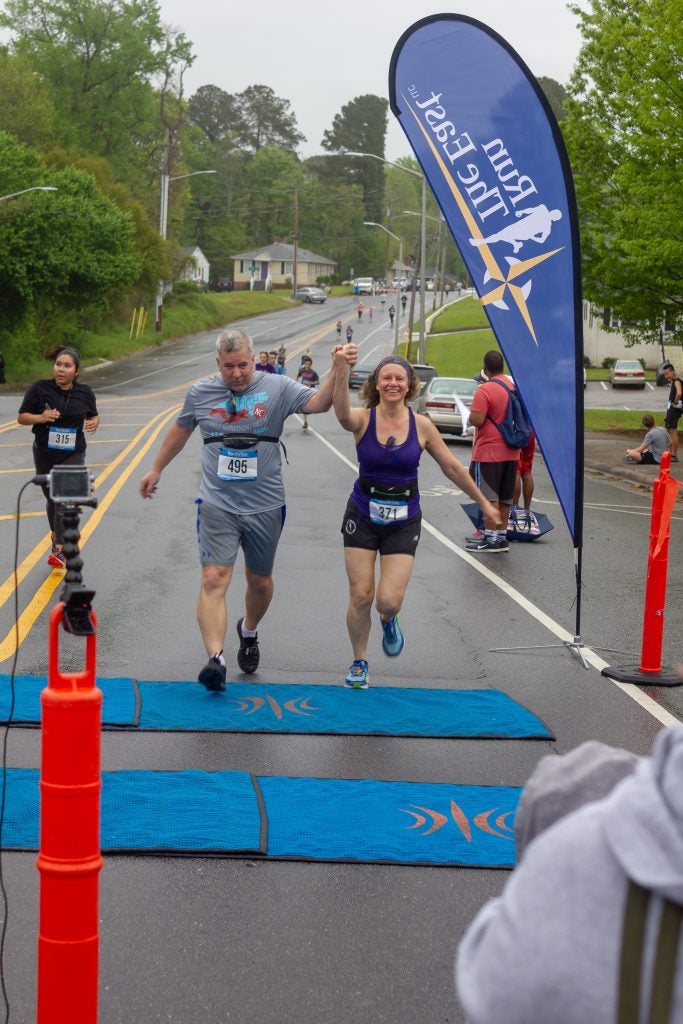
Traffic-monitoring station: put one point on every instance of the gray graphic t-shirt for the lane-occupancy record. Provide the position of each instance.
(242, 481)
(657, 440)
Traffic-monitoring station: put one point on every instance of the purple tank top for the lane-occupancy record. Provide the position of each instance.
(382, 464)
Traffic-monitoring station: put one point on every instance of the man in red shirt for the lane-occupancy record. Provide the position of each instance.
(494, 463)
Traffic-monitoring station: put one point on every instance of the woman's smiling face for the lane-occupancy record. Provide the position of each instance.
(392, 382)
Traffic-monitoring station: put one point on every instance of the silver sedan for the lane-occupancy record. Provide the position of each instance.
(446, 400)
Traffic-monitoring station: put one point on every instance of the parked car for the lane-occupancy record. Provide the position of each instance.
(223, 284)
(360, 373)
(311, 295)
(438, 402)
(425, 372)
(627, 373)
(365, 285)
(584, 376)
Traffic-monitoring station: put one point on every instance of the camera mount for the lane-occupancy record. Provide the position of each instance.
(70, 489)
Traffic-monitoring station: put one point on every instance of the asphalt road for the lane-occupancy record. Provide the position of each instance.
(192, 941)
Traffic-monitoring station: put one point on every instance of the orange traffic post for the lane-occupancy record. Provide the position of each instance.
(69, 861)
(649, 672)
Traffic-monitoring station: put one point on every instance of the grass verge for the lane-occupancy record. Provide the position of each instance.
(185, 313)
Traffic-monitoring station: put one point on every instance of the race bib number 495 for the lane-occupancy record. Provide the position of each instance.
(236, 464)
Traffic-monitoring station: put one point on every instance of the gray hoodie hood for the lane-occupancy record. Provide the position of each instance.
(643, 819)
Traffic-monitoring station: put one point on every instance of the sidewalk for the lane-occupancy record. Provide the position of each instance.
(604, 453)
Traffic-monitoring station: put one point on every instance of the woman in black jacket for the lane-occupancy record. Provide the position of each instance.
(60, 411)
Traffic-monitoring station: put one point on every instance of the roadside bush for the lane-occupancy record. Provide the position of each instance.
(607, 362)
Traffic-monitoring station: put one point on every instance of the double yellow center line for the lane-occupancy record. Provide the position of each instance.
(43, 594)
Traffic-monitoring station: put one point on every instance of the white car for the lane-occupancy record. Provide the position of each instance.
(365, 285)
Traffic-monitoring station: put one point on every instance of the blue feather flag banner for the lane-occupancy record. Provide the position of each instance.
(491, 150)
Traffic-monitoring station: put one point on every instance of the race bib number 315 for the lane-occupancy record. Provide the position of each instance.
(235, 464)
(63, 439)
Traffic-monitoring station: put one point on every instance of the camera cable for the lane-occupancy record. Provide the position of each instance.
(4, 901)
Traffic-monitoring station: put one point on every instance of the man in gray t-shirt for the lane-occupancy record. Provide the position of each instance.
(655, 443)
(240, 413)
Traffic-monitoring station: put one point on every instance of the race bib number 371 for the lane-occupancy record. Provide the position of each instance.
(385, 512)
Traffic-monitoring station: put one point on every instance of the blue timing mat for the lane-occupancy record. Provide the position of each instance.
(236, 814)
(292, 708)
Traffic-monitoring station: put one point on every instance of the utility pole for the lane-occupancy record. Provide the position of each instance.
(295, 267)
(163, 218)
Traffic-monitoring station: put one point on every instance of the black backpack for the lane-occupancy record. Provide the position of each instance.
(514, 428)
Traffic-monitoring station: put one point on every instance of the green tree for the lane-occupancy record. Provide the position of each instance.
(556, 95)
(217, 114)
(65, 257)
(267, 120)
(361, 126)
(27, 110)
(624, 132)
(273, 180)
(331, 222)
(109, 66)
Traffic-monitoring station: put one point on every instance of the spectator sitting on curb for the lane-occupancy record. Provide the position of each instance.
(655, 443)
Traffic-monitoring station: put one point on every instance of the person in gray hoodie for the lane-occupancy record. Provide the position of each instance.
(550, 947)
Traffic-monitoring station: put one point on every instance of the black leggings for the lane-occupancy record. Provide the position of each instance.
(44, 459)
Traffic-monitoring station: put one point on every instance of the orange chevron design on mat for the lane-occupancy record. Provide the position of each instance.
(298, 706)
(425, 815)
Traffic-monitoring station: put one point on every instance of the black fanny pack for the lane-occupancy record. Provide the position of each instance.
(377, 489)
(242, 441)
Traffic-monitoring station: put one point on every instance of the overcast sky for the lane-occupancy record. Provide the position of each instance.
(322, 56)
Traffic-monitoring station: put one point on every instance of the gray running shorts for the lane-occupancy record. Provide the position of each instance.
(220, 535)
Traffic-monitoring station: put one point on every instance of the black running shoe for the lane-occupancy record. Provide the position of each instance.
(248, 654)
(212, 676)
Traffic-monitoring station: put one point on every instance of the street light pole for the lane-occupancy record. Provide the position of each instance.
(425, 217)
(34, 188)
(423, 236)
(163, 222)
(374, 224)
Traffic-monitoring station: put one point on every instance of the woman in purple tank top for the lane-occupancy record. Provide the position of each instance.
(383, 513)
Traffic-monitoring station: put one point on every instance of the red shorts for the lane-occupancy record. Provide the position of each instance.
(526, 456)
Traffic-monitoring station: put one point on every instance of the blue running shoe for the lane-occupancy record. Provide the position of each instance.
(393, 640)
(357, 676)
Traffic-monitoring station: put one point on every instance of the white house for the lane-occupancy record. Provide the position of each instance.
(273, 265)
(599, 343)
(194, 266)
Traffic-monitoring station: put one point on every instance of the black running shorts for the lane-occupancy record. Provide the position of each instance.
(360, 532)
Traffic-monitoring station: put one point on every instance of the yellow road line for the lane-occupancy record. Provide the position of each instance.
(32, 469)
(7, 588)
(37, 605)
(23, 515)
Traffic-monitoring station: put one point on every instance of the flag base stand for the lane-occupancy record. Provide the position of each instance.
(575, 646)
(634, 674)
